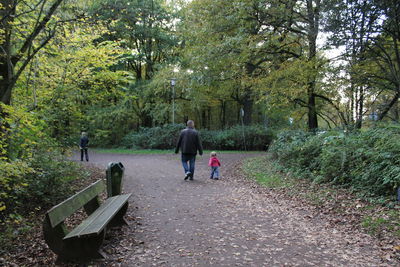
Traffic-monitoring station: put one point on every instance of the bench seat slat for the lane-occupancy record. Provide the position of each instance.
(96, 222)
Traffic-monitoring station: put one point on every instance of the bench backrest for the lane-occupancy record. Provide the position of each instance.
(59, 213)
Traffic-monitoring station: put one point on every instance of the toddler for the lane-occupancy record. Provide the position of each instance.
(214, 164)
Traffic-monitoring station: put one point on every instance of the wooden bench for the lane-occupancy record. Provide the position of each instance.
(83, 242)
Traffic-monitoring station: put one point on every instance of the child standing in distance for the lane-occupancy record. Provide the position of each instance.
(214, 164)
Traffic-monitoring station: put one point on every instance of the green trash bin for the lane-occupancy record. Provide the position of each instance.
(114, 174)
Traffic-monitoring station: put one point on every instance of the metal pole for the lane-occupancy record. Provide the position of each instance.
(244, 137)
(173, 80)
(173, 104)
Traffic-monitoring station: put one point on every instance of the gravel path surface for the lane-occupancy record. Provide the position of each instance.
(173, 222)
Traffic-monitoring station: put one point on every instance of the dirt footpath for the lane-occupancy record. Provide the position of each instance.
(173, 222)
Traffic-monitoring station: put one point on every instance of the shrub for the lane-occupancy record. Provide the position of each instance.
(378, 159)
(50, 184)
(255, 138)
(164, 137)
(37, 183)
(12, 182)
(33, 172)
(366, 160)
(237, 138)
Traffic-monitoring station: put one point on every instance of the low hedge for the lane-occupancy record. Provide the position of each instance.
(235, 138)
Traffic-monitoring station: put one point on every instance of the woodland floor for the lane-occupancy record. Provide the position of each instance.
(229, 222)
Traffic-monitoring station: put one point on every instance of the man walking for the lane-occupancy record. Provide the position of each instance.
(189, 143)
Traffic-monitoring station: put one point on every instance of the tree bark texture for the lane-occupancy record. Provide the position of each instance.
(313, 9)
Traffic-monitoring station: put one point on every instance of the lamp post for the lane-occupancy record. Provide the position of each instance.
(244, 137)
(173, 82)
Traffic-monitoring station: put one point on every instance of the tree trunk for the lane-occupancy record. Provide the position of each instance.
(5, 84)
(387, 108)
(312, 113)
(223, 114)
(247, 100)
(360, 109)
(313, 28)
(248, 110)
(203, 118)
(396, 114)
(146, 120)
(7, 14)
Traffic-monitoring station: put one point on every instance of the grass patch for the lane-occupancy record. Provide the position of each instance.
(157, 151)
(131, 151)
(262, 170)
(383, 221)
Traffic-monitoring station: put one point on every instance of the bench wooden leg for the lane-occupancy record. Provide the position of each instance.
(75, 249)
(118, 219)
(82, 249)
(54, 236)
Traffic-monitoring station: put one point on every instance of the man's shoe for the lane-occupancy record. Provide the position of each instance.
(187, 175)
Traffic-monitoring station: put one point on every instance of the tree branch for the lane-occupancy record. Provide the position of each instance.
(38, 29)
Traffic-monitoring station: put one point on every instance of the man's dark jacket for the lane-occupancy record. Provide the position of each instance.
(189, 142)
(84, 142)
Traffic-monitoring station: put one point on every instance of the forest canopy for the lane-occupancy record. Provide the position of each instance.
(106, 66)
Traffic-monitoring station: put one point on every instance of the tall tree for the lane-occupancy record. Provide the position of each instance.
(303, 18)
(227, 39)
(354, 25)
(370, 31)
(388, 51)
(145, 29)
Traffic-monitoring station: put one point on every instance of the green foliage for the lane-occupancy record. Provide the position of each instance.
(288, 147)
(33, 172)
(74, 86)
(366, 160)
(256, 138)
(12, 182)
(41, 182)
(22, 132)
(50, 184)
(164, 137)
(238, 138)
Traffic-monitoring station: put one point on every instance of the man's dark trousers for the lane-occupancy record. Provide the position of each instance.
(191, 159)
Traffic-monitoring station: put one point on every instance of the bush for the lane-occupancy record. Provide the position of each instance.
(238, 138)
(153, 138)
(255, 138)
(33, 172)
(366, 160)
(38, 183)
